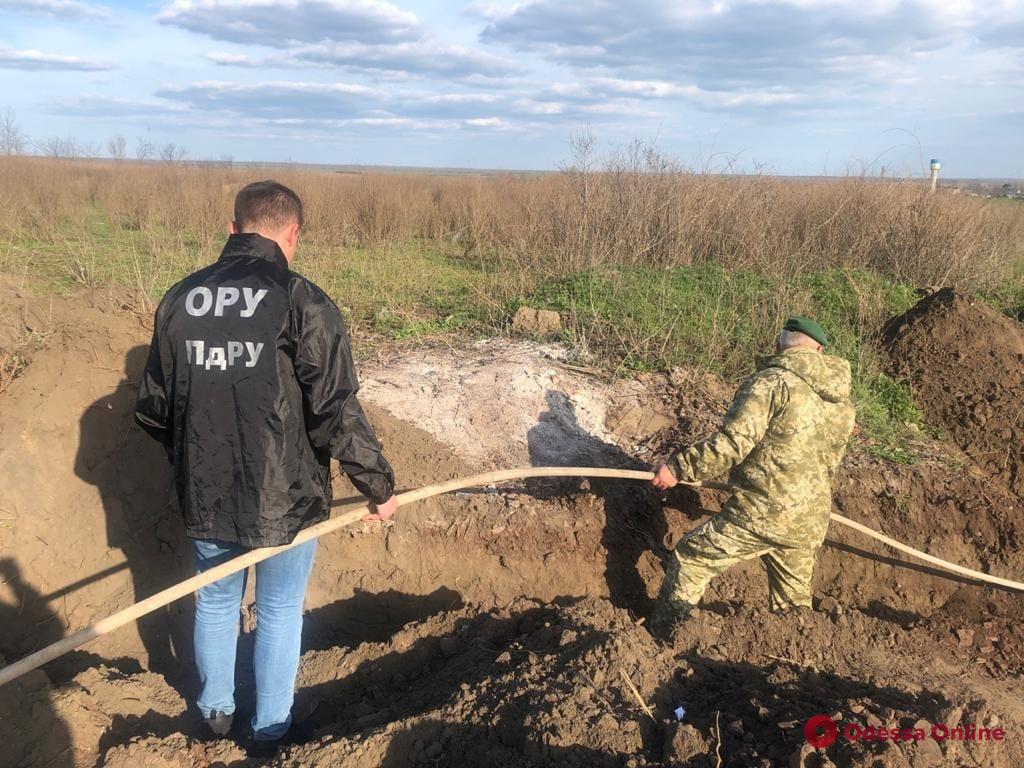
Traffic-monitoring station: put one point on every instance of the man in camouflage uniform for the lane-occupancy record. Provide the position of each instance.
(781, 441)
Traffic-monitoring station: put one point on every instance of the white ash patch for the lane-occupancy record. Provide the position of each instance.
(502, 403)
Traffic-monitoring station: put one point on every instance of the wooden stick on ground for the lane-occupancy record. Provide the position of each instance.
(718, 741)
(636, 694)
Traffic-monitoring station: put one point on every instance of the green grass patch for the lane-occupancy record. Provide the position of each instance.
(718, 320)
(405, 293)
(1008, 296)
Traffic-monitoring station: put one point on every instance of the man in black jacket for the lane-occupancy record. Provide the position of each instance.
(251, 387)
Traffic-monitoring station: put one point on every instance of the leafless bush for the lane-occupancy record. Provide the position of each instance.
(172, 154)
(117, 147)
(144, 149)
(12, 138)
(63, 147)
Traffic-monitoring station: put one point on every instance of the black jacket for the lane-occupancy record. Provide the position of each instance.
(251, 387)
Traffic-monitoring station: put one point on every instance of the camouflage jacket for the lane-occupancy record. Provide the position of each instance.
(781, 441)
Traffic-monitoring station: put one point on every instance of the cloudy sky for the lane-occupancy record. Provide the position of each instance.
(798, 87)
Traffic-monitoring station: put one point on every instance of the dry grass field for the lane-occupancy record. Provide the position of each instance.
(650, 265)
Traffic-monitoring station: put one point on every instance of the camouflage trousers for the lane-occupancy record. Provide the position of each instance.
(718, 544)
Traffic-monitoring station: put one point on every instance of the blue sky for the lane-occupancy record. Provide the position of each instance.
(795, 87)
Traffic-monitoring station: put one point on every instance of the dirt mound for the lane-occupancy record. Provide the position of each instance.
(579, 683)
(965, 364)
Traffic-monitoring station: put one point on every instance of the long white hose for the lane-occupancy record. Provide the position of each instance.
(353, 515)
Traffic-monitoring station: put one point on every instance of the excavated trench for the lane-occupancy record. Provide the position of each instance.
(497, 626)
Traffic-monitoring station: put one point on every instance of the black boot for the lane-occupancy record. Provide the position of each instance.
(299, 732)
(665, 617)
(219, 723)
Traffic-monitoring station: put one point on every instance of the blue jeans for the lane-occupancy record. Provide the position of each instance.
(280, 589)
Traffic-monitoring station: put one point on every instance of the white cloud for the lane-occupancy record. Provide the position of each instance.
(757, 97)
(418, 58)
(37, 60)
(92, 105)
(731, 43)
(276, 99)
(323, 102)
(487, 122)
(1004, 27)
(64, 9)
(369, 35)
(491, 11)
(233, 59)
(619, 95)
(281, 23)
(648, 89)
(214, 89)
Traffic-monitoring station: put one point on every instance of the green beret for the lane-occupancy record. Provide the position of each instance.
(807, 327)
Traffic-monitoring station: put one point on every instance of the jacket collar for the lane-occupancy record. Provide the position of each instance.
(253, 246)
(827, 375)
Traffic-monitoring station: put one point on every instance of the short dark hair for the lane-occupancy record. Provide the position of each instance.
(266, 204)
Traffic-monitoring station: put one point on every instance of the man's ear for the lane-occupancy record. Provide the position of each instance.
(293, 234)
(232, 228)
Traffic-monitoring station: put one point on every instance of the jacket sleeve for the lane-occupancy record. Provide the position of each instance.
(335, 421)
(746, 422)
(153, 410)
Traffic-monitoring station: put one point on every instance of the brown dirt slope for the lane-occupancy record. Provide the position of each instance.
(965, 364)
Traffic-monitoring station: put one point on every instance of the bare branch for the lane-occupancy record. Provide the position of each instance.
(12, 139)
(117, 147)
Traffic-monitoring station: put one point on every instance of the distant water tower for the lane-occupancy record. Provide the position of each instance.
(936, 166)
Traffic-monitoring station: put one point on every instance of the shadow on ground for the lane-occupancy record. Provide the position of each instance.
(634, 521)
(134, 479)
(26, 705)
